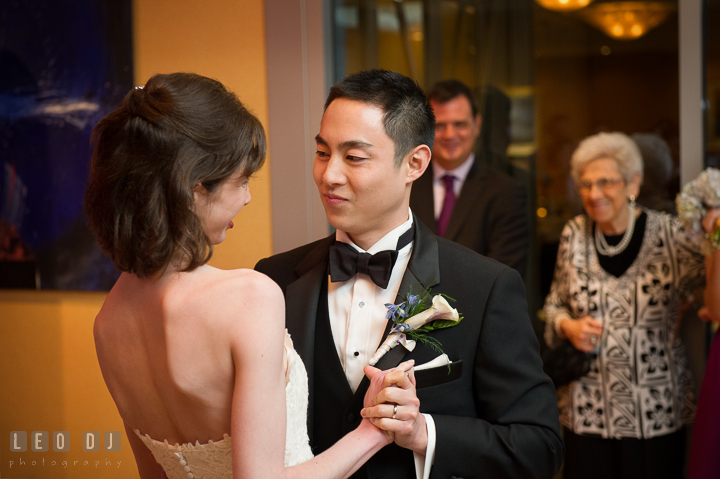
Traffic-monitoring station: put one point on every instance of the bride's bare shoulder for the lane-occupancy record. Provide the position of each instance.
(241, 284)
(241, 291)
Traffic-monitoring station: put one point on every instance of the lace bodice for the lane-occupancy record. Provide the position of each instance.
(214, 459)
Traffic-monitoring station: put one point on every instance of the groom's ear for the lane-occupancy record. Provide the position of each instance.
(418, 161)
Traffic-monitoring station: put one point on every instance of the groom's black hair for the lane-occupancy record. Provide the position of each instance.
(408, 117)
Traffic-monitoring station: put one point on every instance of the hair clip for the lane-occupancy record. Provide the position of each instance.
(139, 87)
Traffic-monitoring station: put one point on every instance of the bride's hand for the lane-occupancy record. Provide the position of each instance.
(395, 376)
(397, 409)
(404, 371)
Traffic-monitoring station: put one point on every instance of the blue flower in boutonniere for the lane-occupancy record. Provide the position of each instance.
(413, 319)
(396, 311)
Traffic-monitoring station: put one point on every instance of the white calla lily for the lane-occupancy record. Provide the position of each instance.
(440, 310)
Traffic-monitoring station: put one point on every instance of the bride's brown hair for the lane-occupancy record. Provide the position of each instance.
(176, 132)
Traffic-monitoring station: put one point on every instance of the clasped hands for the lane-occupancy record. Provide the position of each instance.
(583, 333)
(391, 404)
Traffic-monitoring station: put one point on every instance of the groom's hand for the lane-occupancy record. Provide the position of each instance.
(397, 397)
(376, 377)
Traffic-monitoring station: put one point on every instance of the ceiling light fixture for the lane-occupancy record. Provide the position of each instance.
(564, 5)
(627, 20)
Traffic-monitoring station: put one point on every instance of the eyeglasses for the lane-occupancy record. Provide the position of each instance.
(604, 184)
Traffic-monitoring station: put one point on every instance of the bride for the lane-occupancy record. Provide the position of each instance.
(197, 359)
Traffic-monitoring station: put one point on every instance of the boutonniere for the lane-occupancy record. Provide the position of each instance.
(413, 319)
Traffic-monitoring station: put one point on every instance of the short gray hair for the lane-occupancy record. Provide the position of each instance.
(617, 146)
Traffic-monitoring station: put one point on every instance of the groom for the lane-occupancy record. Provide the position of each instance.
(491, 412)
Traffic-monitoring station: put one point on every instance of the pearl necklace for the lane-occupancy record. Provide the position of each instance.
(601, 243)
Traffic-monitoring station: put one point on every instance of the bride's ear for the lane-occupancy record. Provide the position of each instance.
(200, 196)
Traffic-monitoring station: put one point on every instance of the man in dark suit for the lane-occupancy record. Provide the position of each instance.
(463, 199)
(491, 411)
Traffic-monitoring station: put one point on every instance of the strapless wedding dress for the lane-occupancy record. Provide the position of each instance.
(214, 459)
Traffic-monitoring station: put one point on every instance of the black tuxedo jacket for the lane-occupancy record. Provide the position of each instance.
(494, 411)
(490, 216)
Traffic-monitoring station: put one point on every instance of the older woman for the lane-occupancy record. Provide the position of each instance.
(620, 277)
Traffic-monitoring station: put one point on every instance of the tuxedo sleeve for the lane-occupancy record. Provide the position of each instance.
(516, 432)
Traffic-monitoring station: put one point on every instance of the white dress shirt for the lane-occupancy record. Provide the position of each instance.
(460, 173)
(357, 306)
(357, 319)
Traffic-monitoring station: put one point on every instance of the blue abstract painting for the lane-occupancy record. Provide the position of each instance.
(63, 66)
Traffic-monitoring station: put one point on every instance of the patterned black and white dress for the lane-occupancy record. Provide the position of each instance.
(639, 386)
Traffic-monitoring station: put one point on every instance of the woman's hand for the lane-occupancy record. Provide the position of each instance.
(710, 221)
(403, 372)
(583, 333)
(397, 408)
(395, 377)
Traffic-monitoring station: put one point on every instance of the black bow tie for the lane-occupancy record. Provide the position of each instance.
(346, 261)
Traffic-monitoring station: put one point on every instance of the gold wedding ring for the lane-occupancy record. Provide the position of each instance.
(394, 416)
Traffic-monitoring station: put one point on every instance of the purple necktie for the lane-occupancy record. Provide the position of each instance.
(448, 205)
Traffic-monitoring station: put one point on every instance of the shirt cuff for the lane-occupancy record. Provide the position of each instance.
(423, 464)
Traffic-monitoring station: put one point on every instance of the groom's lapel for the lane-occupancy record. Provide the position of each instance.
(422, 272)
(302, 299)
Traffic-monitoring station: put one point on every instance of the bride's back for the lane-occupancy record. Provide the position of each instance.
(162, 348)
(169, 172)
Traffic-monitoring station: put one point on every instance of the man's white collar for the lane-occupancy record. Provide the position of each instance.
(387, 242)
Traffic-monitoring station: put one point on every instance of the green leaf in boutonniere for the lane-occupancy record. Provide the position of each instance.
(413, 319)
